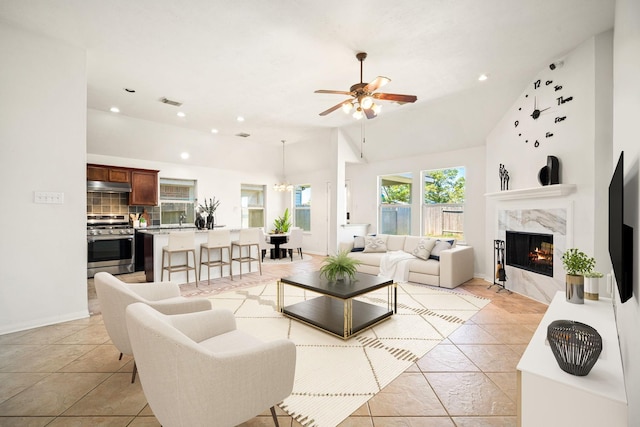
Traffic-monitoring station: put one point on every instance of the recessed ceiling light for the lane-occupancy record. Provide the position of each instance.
(240, 119)
(214, 130)
(181, 114)
(483, 77)
(114, 109)
(184, 155)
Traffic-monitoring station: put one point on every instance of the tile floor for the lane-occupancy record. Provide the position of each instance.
(69, 374)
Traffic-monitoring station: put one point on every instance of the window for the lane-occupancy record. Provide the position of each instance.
(395, 204)
(302, 207)
(252, 200)
(177, 198)
(443, 203)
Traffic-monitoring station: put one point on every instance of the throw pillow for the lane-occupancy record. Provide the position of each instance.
(441, 245)
(375, 244)
(424, 248)
(358, 244)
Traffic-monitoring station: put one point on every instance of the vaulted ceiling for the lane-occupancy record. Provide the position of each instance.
(263, 60)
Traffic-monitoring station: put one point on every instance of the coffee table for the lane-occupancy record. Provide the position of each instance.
(335, 310)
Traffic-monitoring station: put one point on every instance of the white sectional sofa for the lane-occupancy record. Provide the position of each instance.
(454, 266)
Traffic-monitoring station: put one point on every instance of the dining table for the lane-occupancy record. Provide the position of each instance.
(276, 239)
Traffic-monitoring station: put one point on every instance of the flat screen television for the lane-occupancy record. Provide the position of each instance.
(620, 234)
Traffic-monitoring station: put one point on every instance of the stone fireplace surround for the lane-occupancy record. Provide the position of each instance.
(522, 210)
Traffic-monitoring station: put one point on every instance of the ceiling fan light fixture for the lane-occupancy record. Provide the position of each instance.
(357, 114)
(376, 108)
(346, 107)
(366, 102)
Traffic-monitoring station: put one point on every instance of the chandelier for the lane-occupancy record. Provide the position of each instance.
(283, 186)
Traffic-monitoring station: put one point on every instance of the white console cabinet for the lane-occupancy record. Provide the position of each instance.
(551, 397)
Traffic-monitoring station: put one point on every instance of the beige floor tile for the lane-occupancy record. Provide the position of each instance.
(10, 354)
(486, 421)
(353, 421)
(13, 383)
(446, 358)
(49, 358)
(507, 382)
(472, 334)
(25, 421)
(53, 395)
(469, 393)
(124, 398)
(509, 333)
(120, 421)
(103, 358)
(412, 422)
(140, 421)
(92, 334)
(48, 334)
(407, 395)
(492, 358)
(266, 422)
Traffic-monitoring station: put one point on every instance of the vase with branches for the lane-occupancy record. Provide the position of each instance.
(210, 209)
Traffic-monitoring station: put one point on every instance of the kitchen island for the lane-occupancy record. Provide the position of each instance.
(156, 237)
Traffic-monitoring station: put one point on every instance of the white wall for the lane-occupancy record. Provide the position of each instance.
(43, 126)
(581, 143)
(364, 192)
(626, 110)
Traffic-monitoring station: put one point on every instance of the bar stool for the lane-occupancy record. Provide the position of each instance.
(248, 238)
(180, 242)
(216, 239)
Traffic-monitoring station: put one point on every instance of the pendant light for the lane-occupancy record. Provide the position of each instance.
(283, 186)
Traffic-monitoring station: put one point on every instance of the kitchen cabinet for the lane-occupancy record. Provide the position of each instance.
(144, 187)
(107, 173)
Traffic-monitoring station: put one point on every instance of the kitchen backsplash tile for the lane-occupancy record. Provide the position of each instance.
(118, 203)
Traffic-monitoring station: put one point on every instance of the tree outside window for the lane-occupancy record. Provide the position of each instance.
(395, 203)
(443, 202)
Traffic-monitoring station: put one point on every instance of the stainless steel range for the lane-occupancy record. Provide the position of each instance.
(110, 245)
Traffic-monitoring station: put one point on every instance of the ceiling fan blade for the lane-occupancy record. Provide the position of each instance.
(370, 113)
(378, 82)
(400, 99)
(334, 108)
(337, 92)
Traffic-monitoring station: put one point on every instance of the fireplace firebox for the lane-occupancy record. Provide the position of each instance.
(530, 251)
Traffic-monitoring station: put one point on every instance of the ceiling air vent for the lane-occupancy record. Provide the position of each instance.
(243, 134)
(170, 102)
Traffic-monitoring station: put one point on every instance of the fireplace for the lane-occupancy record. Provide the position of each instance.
(530, 251)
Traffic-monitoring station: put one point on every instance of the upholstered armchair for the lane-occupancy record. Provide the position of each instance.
(114, 296)
(294, 243)
(197, 369)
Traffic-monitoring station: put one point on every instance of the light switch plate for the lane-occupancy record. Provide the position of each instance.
(50, 197)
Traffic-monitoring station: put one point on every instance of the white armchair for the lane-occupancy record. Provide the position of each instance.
(294, 243)
(114, 296)
(197, 369)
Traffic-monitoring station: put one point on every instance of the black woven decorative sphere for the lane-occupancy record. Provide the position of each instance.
(576, 346)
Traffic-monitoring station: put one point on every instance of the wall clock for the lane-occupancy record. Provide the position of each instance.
(541, 110)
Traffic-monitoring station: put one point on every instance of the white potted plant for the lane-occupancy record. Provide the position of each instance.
(592, 285)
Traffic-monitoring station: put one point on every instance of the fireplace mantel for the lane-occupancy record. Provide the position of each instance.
(555, 190)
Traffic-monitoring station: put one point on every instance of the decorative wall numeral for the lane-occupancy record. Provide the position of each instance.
(548, 135)
(557, 88)
(536, 84)
(562, 100)
(516, 123)
(548, 82)
(559, 119)
(536, 144)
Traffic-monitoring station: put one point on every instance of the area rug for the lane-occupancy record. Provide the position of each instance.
(334, 377)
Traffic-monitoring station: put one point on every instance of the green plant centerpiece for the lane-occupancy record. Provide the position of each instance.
(339, 267)
(576, 263)
(283, 223)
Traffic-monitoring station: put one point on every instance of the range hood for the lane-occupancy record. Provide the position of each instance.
(108, 187)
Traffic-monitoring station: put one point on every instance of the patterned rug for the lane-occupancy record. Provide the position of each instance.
(335, 377)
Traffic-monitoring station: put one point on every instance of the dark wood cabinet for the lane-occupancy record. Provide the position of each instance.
(144, 182)
(107, 173)
(144, 187)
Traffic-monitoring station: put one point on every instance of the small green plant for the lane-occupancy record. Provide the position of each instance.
(338, 266)
(593, 274)
(577, 263)
(283, 223)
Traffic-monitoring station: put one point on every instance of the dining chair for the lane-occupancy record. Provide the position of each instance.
(220, 240)
(249, 238)
(294, 243)
(264, 244)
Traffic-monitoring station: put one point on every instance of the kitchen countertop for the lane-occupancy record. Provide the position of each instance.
(166, 229)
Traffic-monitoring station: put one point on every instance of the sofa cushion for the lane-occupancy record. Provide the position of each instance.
(375, 243)
(423, 248)
(395, 242)
(430, 266)
(441, 245)
(358, 244)
(368, 258)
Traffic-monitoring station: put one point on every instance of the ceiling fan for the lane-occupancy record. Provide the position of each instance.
(364, 94)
